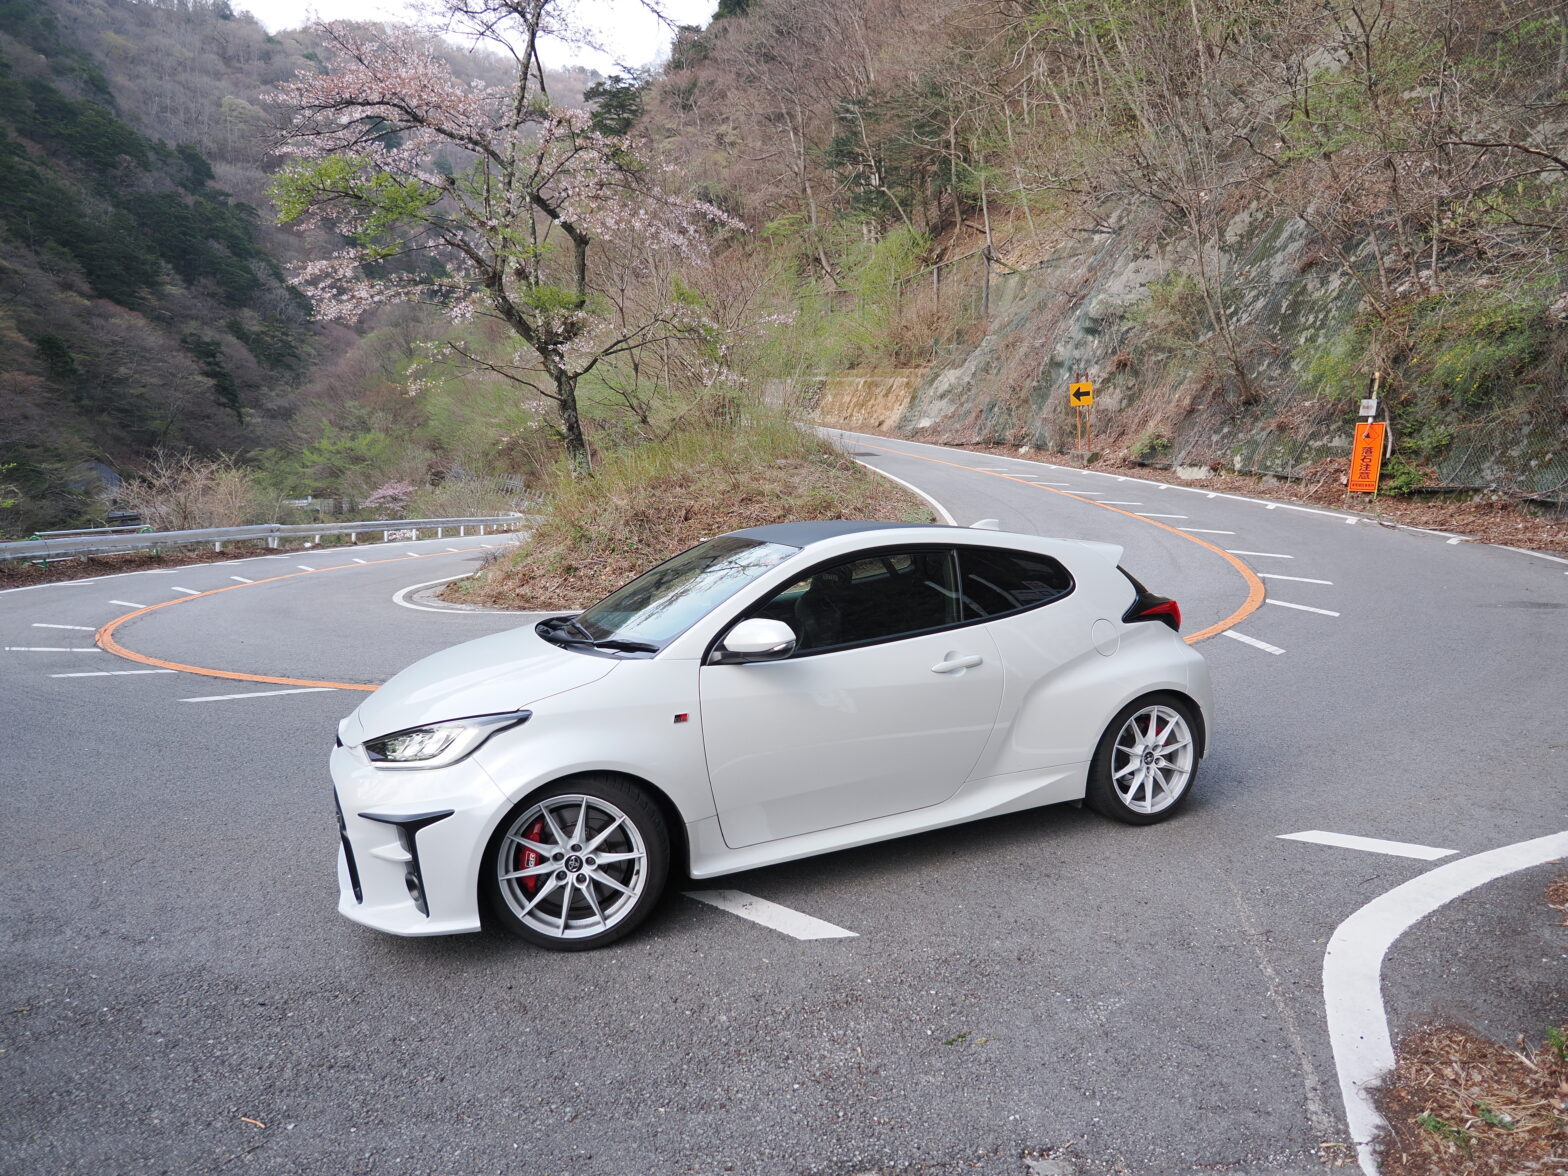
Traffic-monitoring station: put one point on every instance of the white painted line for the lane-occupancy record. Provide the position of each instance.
(1253, 641)
(1353, 971)
(128, 603)
(1270, 506)
(454, 549)
(1295, 579)
(358, 560)
(1537, 554)
(305, 567)
(1108, 502)
(1203, 531)
(1351, 521)
(770, 914)
(83, 628)
(110, 673)
(242, 579)
(1370, 844)
(1037, 482)
(187, 591)
(401, 596)
(1146, 515)
(1303, 607)
(1454, 540)
(256, 694)
(1260, 554)
(1082, 493)
(941, 511)
(52, 649)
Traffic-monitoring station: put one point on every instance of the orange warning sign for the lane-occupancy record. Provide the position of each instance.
(1081, 393)
(1366, 457)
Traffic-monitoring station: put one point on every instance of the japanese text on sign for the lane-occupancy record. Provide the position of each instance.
(1366, 457)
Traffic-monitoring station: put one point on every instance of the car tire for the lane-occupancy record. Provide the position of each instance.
(578, 864)
(1147, 761)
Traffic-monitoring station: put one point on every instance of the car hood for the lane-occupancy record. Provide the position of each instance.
(503, 672)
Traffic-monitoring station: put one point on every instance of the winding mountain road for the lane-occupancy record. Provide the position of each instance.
(181, 996)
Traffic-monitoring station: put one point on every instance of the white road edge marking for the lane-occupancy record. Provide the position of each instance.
(1327, 612)
(128, 603)
(52, 649)
(401, 595)
(1252, 641)
(1260, 554)
(110, 673)
(1295, 579)
(42, 625)
(941, 511)
(1425, 853)
(771, 915)
(256, 694)
(1353, 971)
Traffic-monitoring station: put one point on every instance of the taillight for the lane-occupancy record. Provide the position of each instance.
(1146, 606)
(1155, 608)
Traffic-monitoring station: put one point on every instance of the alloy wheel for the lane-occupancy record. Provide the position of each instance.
(1152, 759)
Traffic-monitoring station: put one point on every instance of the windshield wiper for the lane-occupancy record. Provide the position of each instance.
(626, 646)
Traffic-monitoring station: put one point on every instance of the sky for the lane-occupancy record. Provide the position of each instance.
(629, 33)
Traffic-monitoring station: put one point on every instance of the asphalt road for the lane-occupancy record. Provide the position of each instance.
(180, 995)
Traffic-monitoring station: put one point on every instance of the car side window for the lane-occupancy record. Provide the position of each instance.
(869, 598)
(996, 582)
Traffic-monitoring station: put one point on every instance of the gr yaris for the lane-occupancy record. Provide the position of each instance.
(766, 695)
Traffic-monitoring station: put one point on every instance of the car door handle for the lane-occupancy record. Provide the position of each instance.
(953, 663)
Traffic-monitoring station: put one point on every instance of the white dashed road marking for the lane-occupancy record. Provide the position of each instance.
(1144, 515)
(770, 914)
(52, 649)
(1252, 641)
(1425, 853)
(187, 591)
(42, 625)
(1108, 502)
(1203, 531)
(128, 603)
(1260, 554)
(256, 694)
(242, 579)
(305, 567)
(110, 673)
(1327, 612)
(1296, 579)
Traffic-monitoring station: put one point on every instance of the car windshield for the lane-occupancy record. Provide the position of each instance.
(665, 601)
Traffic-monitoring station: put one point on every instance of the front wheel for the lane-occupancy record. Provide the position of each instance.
(578, 865)
(1146, 762)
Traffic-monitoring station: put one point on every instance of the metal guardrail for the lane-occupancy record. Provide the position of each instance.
(67, 546)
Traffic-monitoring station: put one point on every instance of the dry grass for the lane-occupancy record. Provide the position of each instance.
(642, 506)
(1460, 1105)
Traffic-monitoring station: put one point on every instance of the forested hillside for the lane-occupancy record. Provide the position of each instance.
(1230, 213)
(144, 301)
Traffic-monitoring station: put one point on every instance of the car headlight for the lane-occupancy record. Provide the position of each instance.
(436, 745)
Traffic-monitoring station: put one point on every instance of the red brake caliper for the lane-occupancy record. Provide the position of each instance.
(529, 858)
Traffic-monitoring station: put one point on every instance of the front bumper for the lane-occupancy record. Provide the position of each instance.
(412, 842)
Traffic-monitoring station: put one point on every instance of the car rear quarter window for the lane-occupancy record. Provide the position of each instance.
(993, 582)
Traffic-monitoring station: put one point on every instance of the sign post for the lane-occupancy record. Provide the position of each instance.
(1080, 394)
(1366, 450)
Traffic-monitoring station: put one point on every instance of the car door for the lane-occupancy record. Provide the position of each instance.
(883, 708)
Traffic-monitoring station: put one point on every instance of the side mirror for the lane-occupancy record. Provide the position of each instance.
(754, 640)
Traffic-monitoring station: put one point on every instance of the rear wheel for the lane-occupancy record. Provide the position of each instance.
(1146, 762)
(579, 864)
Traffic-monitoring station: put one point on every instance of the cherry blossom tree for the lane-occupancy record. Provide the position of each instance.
(487, 199)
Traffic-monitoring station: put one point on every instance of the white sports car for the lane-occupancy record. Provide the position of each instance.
(766, 695)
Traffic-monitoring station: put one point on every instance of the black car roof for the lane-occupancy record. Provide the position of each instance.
(805, 534)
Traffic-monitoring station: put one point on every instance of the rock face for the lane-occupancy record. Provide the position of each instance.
(1117, 304)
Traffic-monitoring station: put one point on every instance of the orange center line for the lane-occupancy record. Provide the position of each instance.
(1255, 588)
(105, 639)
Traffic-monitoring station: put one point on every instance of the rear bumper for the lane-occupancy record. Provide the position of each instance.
(411, 844)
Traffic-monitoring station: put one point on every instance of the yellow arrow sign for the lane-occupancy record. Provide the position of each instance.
(1081, 393)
